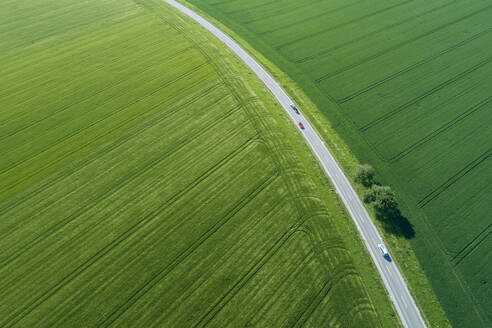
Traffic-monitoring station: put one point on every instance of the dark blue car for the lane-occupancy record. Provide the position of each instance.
(294, 108)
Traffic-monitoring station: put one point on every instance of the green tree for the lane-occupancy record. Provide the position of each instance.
(364, 174)
(383, 199)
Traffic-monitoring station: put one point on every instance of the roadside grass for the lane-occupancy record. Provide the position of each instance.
(147, 179)
(371, 70)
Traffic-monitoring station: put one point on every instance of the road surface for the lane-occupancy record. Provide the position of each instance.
(392, 278)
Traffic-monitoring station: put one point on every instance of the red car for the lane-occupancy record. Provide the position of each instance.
(301, 126)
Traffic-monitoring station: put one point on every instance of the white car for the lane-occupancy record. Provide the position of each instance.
(384, 251)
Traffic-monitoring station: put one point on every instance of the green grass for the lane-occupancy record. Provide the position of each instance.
(405, 84)
(147, 179)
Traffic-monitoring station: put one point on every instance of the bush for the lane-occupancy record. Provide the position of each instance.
(364, 174)
(369, 196)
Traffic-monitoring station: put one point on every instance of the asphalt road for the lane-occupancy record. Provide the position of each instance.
(392, 278)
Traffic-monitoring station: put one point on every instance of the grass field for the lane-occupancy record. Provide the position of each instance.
(406, 83)
(147, 180)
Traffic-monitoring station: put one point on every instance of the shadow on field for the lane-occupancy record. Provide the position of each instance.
(396, 224)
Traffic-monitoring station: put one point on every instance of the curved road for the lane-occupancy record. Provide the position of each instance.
(392, 278)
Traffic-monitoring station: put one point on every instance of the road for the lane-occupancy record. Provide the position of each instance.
(392, 278)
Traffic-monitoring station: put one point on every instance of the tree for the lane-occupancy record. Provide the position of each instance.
(383, 199)
(364, 174)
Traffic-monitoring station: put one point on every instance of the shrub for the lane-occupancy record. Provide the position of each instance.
(364, 174)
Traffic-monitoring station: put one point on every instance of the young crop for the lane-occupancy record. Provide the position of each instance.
(407, 85)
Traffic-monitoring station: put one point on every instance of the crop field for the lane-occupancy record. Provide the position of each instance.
(407, 84)
(144, 182)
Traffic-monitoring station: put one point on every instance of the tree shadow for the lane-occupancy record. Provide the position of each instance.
(396, 224)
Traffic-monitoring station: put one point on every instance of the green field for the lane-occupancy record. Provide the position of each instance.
(147, 179)
(406, 83)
